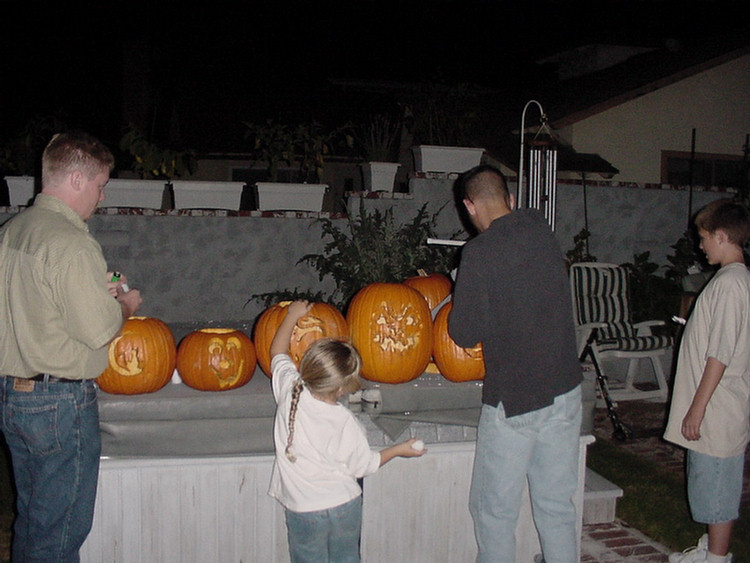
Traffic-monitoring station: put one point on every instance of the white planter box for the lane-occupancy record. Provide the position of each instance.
(292, 197)
(190, 194)
(20, 189)
(433, 158)
(379, 176)
(133, 193)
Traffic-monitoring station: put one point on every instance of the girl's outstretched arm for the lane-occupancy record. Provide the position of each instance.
(294, 312)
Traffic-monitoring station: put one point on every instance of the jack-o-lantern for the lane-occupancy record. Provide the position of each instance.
(216, 359)
(321, 321)
(453, 361)
(434, 287)
(141, 358)
(390, 326)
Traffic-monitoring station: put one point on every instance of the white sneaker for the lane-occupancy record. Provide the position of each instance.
(695, 554)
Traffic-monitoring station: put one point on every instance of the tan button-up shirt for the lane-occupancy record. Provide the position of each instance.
(56, 315)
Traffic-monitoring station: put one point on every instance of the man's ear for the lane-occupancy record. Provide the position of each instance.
(511, 202)
(76, 180)
(469, 205)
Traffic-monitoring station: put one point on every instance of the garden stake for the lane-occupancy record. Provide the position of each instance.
(622, 431)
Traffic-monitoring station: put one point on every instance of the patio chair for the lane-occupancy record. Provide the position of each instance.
(601, 309)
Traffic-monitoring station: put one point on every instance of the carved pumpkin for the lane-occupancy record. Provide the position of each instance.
(390, 326)
(216, 359)
(434, 287)
(453, 361)
(141, 358)
(322, 321)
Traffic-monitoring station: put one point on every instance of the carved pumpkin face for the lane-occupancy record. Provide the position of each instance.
(433, 287)
(453, 361)
(322, 321)
(390, 326)
(216, 359)
(141, 358)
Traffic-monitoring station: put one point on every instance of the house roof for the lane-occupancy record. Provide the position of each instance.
(582, 97)
(570, 100)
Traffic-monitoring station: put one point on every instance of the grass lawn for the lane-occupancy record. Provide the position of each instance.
(655, 502)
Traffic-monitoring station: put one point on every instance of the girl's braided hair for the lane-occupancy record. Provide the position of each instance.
(329, 368)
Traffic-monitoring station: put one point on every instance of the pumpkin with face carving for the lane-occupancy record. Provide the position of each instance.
(390, 326)
(216, 359)
(141, 358)
(321, 321)
(453, 361)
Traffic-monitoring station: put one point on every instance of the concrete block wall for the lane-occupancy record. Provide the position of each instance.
(200, 267)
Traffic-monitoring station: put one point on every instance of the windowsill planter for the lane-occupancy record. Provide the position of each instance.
(189, 194)
(435, 158)
(293, 197)
(20, 190)
(134, 193)
(379, 176)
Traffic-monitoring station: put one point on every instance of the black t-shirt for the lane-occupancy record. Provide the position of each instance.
(512, 294)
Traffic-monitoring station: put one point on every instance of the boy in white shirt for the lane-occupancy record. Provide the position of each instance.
(710, 408)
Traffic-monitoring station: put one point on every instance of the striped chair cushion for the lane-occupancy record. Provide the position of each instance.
(634, 344)
(601, 296)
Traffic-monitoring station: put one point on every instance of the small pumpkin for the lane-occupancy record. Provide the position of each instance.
(141, 358)
(453, 361)
(321, 321)
(434, 287)
(391, 327)
(216, 359)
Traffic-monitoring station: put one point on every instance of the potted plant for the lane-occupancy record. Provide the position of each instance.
(155, 167)
(379, 142)
(21, 155)
(303, 145)
(442, 118)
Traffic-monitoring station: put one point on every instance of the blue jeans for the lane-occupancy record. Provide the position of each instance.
(52, 432)
(325, 535)
(542, 446)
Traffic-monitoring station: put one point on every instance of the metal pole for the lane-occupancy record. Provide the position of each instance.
(690, 176)
(520, 195)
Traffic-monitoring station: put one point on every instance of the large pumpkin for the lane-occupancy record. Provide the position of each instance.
(216, 359)
(390, 326)
(453, 361)
(321, 321)
(141, 358)
(434, 287)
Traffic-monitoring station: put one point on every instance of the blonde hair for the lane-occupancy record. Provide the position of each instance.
(328, 368)
(75, 150)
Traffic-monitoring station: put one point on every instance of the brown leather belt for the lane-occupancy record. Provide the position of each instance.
(52, 378)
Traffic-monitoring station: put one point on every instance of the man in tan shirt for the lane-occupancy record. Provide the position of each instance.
(57, 317)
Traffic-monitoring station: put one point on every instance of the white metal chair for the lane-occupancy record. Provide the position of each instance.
(601, 303)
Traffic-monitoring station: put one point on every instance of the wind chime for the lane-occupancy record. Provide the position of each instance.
(541, 192)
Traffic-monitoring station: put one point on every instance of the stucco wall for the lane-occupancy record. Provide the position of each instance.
(196, 268)
(632, 135)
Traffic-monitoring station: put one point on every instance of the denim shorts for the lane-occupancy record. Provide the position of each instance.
(714, 487)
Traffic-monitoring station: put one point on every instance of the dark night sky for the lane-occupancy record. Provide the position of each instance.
(221, 63)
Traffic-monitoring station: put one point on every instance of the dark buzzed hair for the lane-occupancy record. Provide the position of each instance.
(480, 181)
(727, 215)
